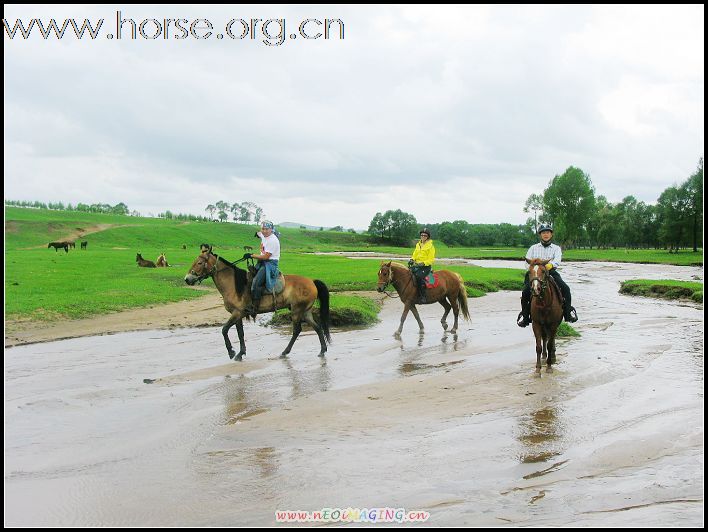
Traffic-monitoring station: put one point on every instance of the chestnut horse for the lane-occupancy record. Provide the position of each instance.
(234, 285)
(450, 292)
(144, 263)
(546, 312)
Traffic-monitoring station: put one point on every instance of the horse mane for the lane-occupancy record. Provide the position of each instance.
(240, 276)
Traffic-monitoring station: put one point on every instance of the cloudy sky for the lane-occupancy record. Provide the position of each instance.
(447, 113)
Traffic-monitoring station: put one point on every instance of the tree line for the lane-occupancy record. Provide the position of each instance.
(581, 219)
(103, 208)
(245, 212)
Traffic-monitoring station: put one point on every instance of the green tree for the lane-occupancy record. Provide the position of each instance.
(569, 201)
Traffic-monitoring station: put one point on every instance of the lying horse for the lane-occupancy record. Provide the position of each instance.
(298, 295)
(144, 263)
(161, 261)
(59, 245)
(546, 312)
(450, 293)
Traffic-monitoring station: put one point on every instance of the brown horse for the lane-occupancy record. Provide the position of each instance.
(59, 245)
(144, 263)
(234, 285)
(83, 245)
(546, 312)
(161, 261)
(450, 292)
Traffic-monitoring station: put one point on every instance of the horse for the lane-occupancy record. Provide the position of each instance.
(248, 248)
(234, 284)
(450, 293)
(71, 243)
(83, 245)
(59, 245)
(546, 312)
(144, 263)
(161, 261)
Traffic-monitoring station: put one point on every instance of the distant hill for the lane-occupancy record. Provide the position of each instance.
(297, 225)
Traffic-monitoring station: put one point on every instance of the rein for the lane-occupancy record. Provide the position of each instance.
(390, 281)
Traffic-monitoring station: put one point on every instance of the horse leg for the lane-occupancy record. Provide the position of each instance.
(537, 333)
(406, 308)
(297, 328)
(225, 333)
(455, 312)
(417, 318)
(242, 344)
(551, 350)
(447, 308)
(311, 320)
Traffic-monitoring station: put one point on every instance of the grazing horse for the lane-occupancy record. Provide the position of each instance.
(234, 285)
(59, 245)
(144, 263)
(450, 292)
(546, 312)
(83, 245)
(161, 261)
(71, 243)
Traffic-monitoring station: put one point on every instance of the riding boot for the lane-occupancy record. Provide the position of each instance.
(569, 314)
(524, 318)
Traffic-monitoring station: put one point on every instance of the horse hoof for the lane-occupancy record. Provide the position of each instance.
(322, 354)
(283, 355)
(239, 357)
(232, 353)
(538, 371)
(549, 369)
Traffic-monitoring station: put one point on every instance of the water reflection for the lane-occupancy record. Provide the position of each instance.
(541, 432)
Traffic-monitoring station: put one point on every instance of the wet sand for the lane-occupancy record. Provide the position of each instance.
(458, 426)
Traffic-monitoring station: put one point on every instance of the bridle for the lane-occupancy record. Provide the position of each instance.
(390, 281)
(543, 281)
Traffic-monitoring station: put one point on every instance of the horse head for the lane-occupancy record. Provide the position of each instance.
(538, 276)
(385, 276)
(203, 267)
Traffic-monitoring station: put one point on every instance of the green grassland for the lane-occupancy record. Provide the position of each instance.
(43, 284)
(666, 289)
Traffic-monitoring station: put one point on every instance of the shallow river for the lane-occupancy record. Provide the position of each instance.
(458, 426)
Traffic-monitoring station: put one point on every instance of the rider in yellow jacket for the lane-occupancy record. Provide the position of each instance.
(422, 260)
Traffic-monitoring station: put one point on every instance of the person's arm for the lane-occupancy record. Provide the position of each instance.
(555, 260)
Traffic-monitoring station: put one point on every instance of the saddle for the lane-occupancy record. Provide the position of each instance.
(432, 281)
(559, 292)
(279, 286)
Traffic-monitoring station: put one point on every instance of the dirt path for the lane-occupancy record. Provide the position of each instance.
(205, 311)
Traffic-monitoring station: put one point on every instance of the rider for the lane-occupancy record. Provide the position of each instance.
(545, 250)
(421, 261)
(267, 268)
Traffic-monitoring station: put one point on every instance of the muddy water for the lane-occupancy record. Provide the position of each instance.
(456, 425)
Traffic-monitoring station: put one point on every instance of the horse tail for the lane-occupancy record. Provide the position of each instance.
(323, 296)
(462, 299)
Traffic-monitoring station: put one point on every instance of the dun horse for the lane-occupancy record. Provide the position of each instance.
(546, 312)
(450, 293)
(161, 261)
(144, 263)
(233, 283)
